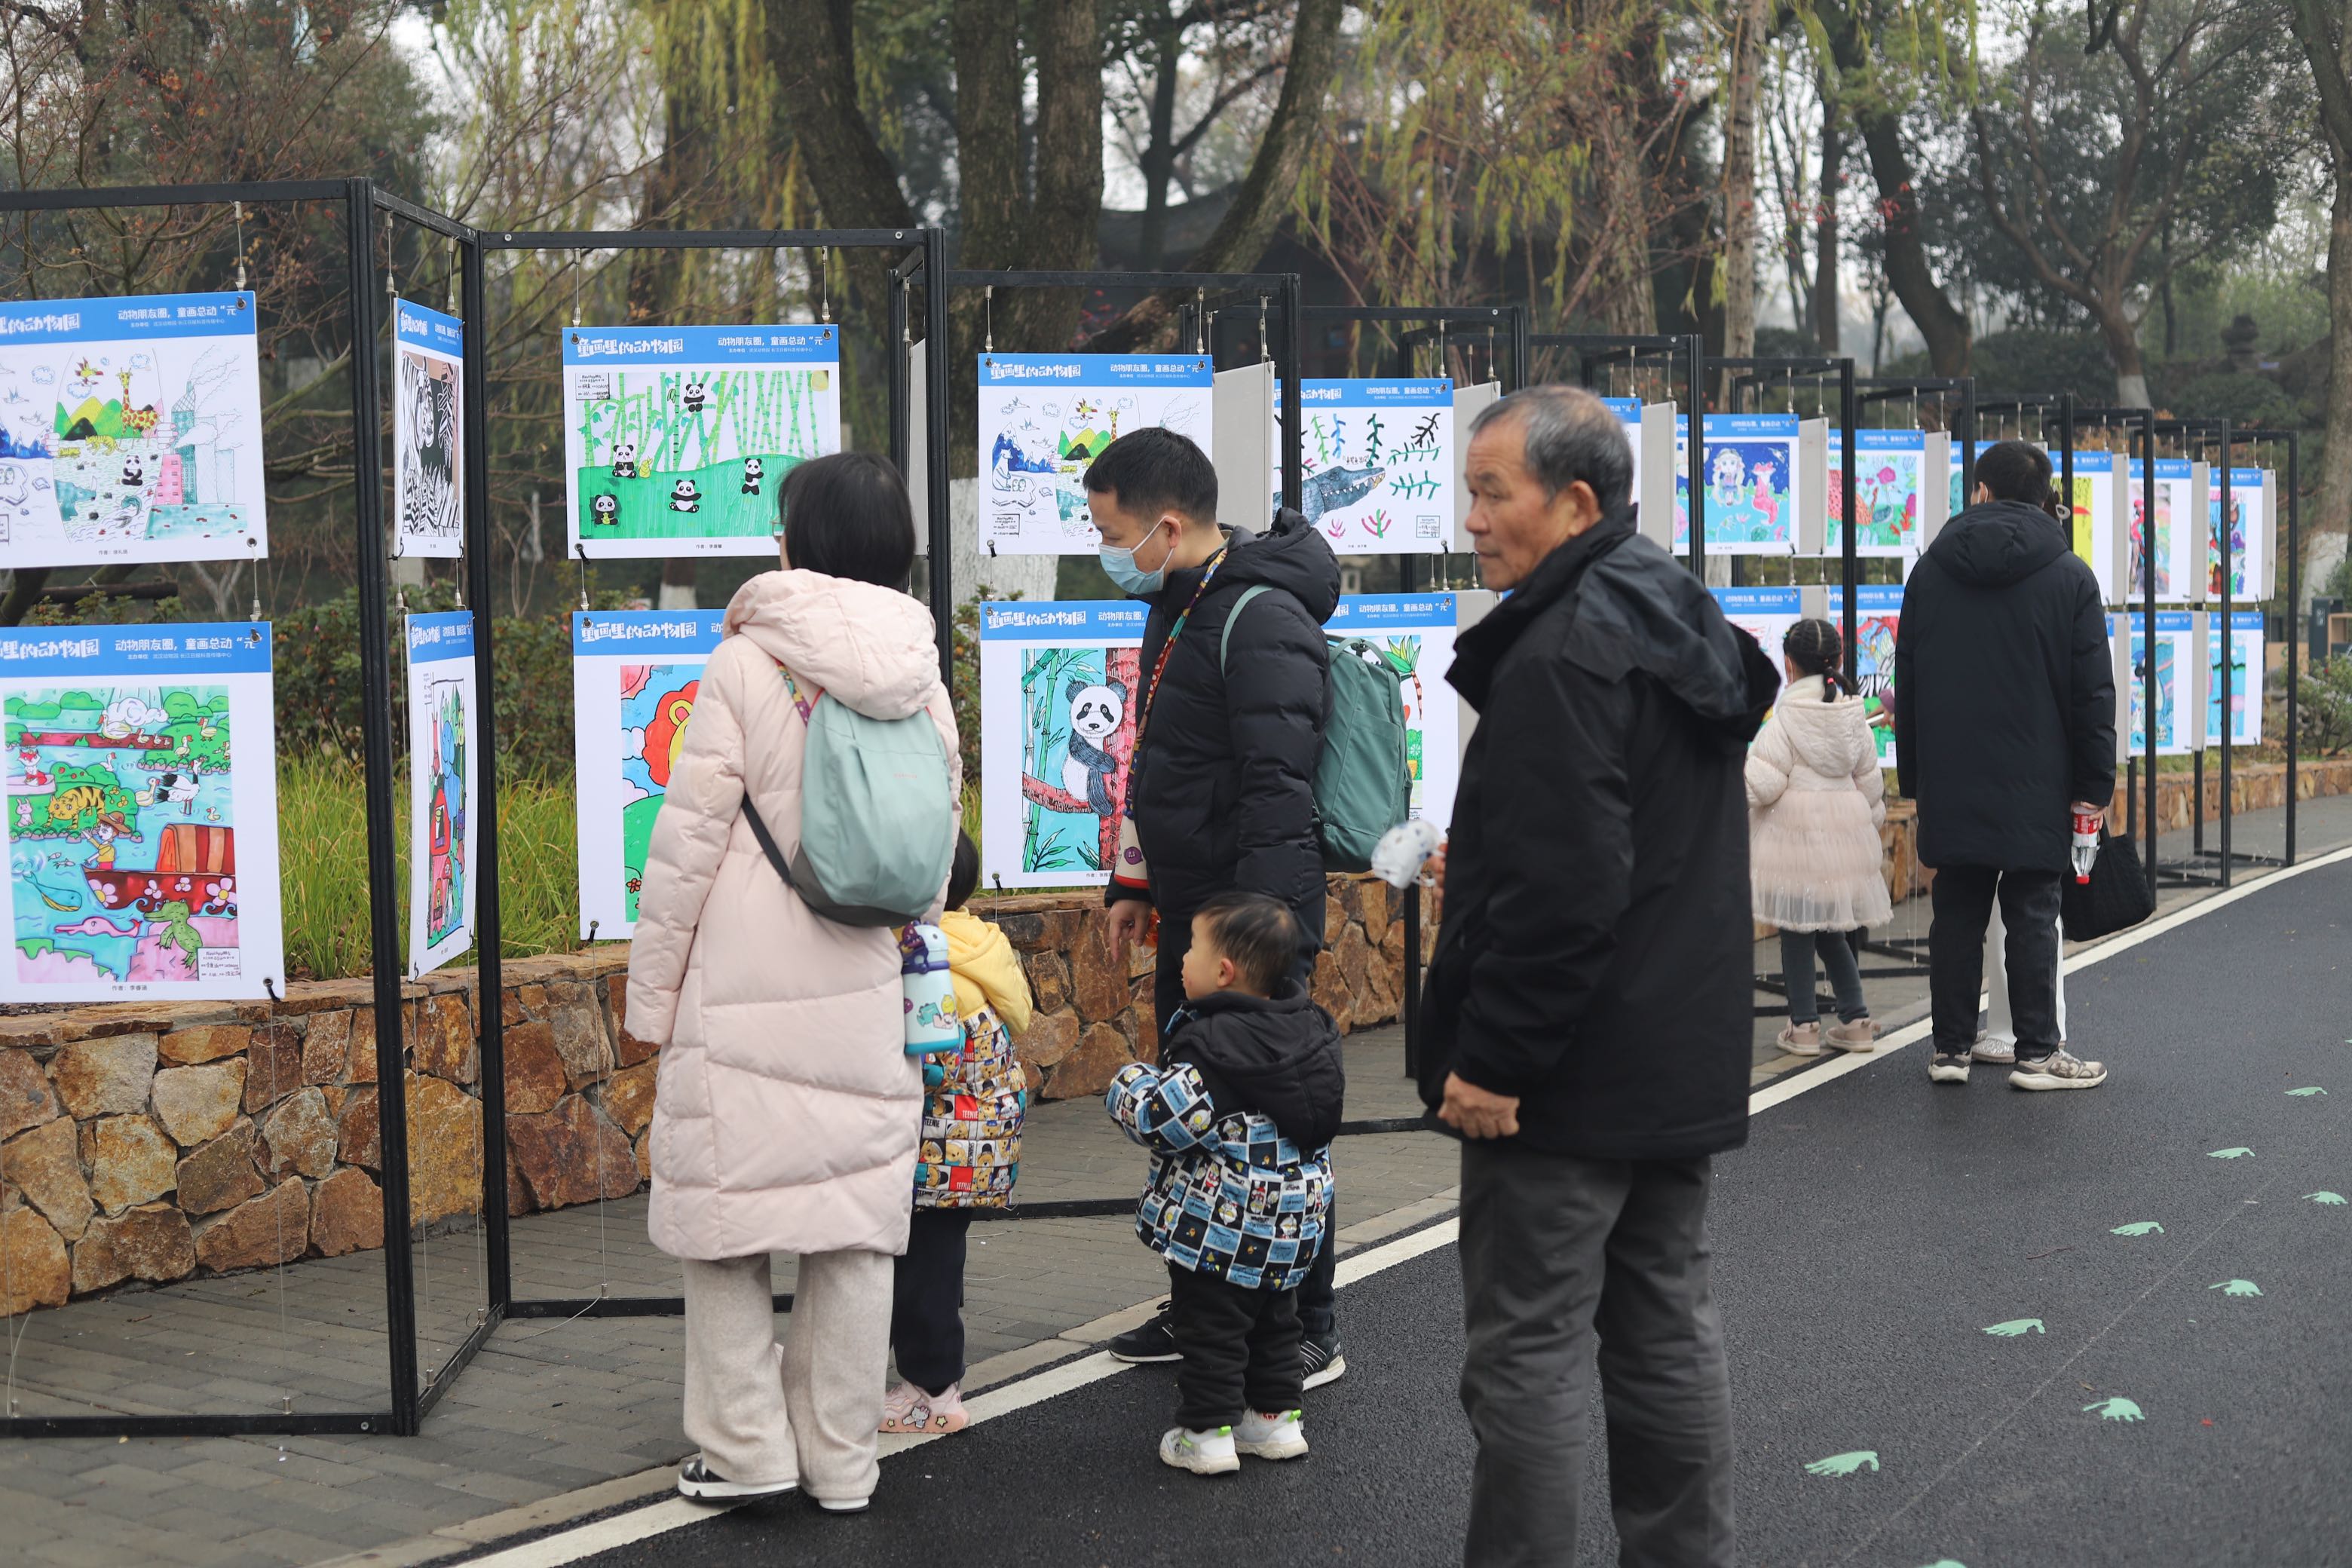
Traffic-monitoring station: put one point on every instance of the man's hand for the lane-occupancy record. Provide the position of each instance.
(1125, 922)
(2085, 808)
(1476, 1113)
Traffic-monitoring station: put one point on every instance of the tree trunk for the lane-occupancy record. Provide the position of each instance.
(2121, 335)
(1739, 181)
(1249, 224)
(2336, 465)
(1825, 247)
(1159, 151)
(1942, 325)
(1629, 299)
(856, 182)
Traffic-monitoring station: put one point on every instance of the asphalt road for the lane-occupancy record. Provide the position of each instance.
(1869, 1235)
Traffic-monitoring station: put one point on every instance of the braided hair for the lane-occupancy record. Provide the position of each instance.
(1815, 647)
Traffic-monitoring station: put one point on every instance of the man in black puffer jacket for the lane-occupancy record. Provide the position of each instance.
(1220, 792)
(1587, 1020)
(2004, 716)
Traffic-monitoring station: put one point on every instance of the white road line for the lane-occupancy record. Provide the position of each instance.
(676, 1513)
(1788, 1088)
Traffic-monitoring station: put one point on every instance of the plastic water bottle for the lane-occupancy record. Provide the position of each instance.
(928, 991)
(2086, 844)
(1404, 849)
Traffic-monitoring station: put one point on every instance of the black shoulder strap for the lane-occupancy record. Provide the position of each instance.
(767, 842)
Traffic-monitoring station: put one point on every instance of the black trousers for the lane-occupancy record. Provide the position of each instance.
(1318, 1307)
(927, 1299)
(2029, 911)
(1241, 1350)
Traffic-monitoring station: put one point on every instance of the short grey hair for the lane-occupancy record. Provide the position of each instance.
(1570, 435)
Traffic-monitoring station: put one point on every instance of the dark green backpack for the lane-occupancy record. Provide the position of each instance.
(1363, 784)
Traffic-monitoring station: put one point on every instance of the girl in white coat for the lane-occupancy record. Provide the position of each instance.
(786, 1112)
(1815, 802)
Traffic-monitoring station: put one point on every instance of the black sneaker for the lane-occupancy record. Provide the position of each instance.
(1154, 1342)
(1324, 1361)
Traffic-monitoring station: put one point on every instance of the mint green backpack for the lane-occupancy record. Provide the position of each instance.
(1363, 784)
(877, 826)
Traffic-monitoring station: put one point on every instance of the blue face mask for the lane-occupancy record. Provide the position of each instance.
(1118, 565)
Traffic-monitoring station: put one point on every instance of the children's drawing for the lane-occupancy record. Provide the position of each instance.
(142, 814)
(131, 431)
(428, 508)
(2248, 532)
(441, 750)
(2176, 534)
(1044, 419)
(2242, 680)
(1751, 464)
(677, 439)
(2172, 659)
(1878, 615)
(1886, 490)
(1378, 459)
(636, 676)
(1058, 684)
(1764, 614)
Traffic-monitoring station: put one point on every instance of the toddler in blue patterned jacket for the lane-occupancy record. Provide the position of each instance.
(1239, 1117)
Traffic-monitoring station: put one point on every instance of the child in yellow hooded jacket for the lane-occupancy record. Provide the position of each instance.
(969, 1159)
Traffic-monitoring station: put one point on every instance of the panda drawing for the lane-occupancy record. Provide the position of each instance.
(753, 471)
(133, 476)
(697, 393)
(1095, 715)
(683, 497)
(605, 511)
(625, 459)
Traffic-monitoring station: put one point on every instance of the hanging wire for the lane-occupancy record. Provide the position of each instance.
(390, 274)
(1442, 369)
(581, 549)
(457, 261)
(1264, 343)
(1199, 313)
(988, 318)
(1492, 374)
(579, 266)
(824, 287)
(238, 208)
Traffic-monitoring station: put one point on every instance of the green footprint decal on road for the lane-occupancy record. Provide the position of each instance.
(2306, 1093)
(2239, 1153)
(2237, 1287)
(1843, 1464)
(2137, 1228)
(2335, 1200)
(2016, 1326)
(2116, 1409)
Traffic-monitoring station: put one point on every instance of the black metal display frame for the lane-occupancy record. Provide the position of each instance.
(2144, 419)
(2190, 870)
(918, 250)
(2292, 543)
(407, 1404)
(1942, 388)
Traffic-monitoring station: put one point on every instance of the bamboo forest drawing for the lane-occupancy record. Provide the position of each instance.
(122, 834)
(1078, 737)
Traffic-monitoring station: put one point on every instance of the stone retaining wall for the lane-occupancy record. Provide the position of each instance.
(151, 1142)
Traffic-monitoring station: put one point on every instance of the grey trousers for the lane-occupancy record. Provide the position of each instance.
(1557, 1252)
(809, 1409)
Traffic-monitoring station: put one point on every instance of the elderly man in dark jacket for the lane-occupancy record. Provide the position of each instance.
(1587, 1014)
(1236, 693)
(2004, 719)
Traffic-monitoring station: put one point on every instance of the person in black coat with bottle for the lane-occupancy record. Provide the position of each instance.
(2004, 730)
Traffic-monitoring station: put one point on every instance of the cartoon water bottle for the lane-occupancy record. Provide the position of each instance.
(929, 989)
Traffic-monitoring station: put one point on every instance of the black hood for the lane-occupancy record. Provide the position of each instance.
(1998, 543)
(1290, 554)
(1638, 609)
(1278, 1055)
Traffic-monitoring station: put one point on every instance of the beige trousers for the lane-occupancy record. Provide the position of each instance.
(808, 1409)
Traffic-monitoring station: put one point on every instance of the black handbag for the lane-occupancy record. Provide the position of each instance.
(2117, 898)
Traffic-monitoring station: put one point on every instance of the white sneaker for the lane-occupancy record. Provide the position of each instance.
(1942, 1069)
(1800, 1039)
(1281, 1435)
(1202, 1453)
(2000, 1053)
(1861, 1037)
(2061, 1069)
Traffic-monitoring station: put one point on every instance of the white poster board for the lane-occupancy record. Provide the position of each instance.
(677, 439)
(1890, 479)
(2175, 657)
(1469, 402)
(1935, 498)
(1750, 479)
(918, 436)
(443, 768)
(1044, 419)
(1378, 459)
(2178, 533)
(2249, 497)
(1414, 633)
(1766, 615)
(1877, 613)
(635, 676)
(1248, 443)
(2244, 682)
(142, 814)
(131, 431)
(1654, 476)
(1057, 712)
(428, 400)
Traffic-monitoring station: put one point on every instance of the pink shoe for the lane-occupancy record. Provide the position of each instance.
(909, 1411)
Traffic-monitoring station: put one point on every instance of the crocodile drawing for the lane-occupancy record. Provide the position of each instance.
(1331, 490)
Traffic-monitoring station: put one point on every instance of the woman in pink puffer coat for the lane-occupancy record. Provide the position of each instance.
(786, 1111)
